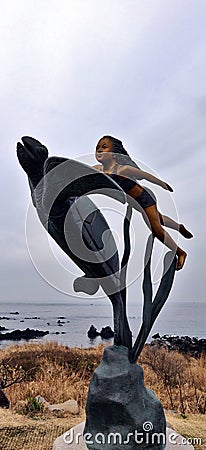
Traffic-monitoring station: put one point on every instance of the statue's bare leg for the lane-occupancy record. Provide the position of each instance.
(153, 217)
(170, 223)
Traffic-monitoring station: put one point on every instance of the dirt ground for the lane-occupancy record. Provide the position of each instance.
(18, 432)
(21, 433)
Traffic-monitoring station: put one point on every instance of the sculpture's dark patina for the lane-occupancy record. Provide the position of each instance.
(59, 185)
(59, 189)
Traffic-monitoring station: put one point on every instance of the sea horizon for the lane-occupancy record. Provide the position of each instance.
(68, 323)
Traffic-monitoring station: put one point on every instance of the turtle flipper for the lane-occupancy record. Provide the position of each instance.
(87, 285)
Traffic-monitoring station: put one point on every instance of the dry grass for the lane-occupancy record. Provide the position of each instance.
(19, 432)
(178, 380)
(59, 373)
(53, 371)
(192, 426)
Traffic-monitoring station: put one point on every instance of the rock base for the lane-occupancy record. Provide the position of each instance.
(119, 403)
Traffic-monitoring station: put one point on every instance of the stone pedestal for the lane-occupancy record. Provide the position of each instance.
(119, 404)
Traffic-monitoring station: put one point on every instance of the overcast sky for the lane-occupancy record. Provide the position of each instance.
(74, 70)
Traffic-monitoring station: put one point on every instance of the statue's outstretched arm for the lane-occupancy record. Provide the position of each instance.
(130, 171)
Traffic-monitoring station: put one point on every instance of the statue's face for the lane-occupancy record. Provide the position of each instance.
(104, 150)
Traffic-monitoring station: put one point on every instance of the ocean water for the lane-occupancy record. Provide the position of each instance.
(77, 316)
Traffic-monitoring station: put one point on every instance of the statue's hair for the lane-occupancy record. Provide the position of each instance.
(120, 154)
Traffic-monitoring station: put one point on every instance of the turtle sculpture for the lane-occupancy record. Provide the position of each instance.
(58, 189)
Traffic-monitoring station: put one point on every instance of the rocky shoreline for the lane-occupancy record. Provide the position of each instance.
(27, 334)
(183, 344)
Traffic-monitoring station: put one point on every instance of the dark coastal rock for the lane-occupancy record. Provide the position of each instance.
(15, 313)
(118, 402)
(156, 336)
(183, 344)
(35, 318)
(5, 318)
(3, 328)
(4, 402)
(106, 333)
(92, 333)
(27, 334)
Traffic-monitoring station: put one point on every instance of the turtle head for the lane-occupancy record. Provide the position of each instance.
(32, 155)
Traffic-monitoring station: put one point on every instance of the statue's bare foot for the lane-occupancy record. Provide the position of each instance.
(181, 256)
(186, 233)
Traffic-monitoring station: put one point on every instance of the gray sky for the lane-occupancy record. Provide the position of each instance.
(74, 70)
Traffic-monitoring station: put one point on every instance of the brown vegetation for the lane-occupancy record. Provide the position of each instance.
(58, 373)
(178, 380)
